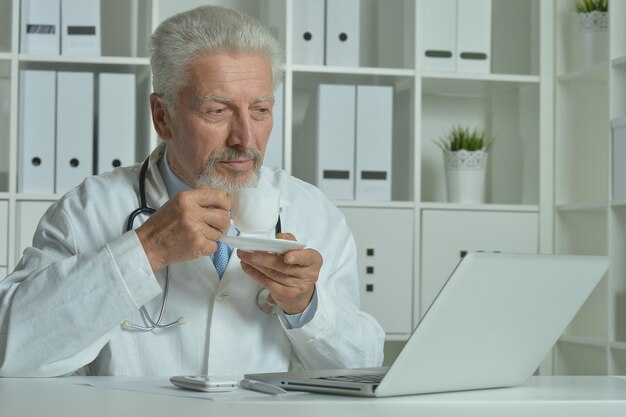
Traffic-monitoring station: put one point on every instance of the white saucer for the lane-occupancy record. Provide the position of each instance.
(252, 244)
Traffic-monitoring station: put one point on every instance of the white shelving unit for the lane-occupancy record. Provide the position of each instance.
(514, 103)
(587, 219)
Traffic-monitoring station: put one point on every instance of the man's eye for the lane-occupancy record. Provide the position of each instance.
(263, 109)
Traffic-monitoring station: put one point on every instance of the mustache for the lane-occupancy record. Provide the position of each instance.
(234, 153)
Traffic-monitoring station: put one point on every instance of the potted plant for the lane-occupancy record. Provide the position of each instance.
(594, 25)
(465, 153)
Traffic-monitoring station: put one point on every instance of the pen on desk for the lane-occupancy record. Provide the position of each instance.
(261, 386)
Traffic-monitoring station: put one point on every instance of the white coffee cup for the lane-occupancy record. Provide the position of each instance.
(255, 210)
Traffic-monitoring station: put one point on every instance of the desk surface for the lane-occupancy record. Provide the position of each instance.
(549, 396)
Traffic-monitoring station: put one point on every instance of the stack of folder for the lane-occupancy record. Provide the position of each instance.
(456, 36)
(326, 32)
(67, 27)
(57, 146)
(352, 147)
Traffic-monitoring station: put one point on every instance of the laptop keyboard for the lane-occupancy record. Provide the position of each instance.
(365, 378)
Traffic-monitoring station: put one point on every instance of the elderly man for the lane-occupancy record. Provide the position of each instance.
(108, 289)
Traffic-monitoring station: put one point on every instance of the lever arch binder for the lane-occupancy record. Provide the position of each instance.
(474, 36)
(74, 150)
(336, 140)
(439, 35)
(36, 131)
(80, 22)
(116, 121)
(308, 32)
(40, 27)
(374, 129)
(342, 33)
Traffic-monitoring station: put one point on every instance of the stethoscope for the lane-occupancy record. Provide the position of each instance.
(262, 297)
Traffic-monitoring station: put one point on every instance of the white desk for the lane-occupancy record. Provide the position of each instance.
(541, 396)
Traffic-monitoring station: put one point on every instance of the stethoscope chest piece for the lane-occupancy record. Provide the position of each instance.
(264, 303)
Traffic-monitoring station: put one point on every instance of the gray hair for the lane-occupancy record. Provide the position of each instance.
(205, 30)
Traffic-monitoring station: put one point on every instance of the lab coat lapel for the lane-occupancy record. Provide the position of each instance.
(204, 269)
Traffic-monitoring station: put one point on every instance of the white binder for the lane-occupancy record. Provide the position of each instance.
(374, 130)
(40, 27)
(36, 131)
(618, 158)
(274, 151)
(335, 140)
(80, 23)
(474, 36)
(308, 32)
(342, 33)
(438, 35)
(4, 236)
(74, 150)
(116, 121)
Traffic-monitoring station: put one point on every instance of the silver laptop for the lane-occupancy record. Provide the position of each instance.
(492, 324)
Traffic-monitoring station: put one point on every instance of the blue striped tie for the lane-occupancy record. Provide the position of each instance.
(221, 257)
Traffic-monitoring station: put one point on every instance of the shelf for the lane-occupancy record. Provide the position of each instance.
(584, 206)
(619, 61)
(580, 359)
(38, 197)
(619, 203)
(592, 74)
(480, 207)
(85, 60)
(585, 341)
(323, 69)
(514, 99)
(473, 85)
(310, 76)
(391, 337)
(505, 78)
(365, 204)
(617, 345)
(618, 360)
(376, 204)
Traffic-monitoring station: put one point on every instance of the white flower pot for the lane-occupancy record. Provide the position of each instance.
(465, 176)
(594, 28)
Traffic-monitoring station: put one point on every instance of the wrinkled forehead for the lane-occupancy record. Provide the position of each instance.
(228, 76)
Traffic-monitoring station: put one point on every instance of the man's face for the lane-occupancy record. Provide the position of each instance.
(223, 120)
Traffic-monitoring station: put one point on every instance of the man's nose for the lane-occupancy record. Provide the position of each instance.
(242, 132)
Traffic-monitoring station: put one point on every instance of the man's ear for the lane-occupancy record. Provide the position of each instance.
(160, 117)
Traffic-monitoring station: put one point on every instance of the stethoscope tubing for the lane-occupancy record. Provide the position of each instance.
(262, 298)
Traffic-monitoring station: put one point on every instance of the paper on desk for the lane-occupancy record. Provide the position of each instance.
(162, 386)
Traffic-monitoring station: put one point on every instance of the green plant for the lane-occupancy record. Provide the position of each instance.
(461, 137)
(588, 6)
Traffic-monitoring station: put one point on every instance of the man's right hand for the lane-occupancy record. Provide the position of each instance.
(186, 227)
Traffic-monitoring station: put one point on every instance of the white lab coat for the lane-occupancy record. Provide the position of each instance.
(61, 309)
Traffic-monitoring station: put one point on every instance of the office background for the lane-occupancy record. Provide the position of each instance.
(550, 176)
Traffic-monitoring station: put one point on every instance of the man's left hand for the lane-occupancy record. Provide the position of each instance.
(289, 277)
